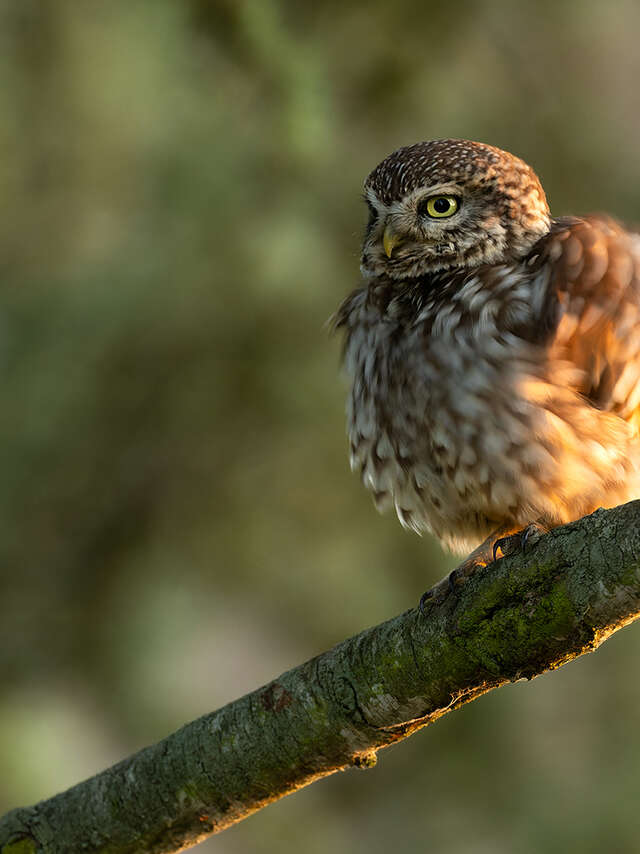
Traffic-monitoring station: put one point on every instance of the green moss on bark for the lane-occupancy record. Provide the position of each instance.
(516, 618)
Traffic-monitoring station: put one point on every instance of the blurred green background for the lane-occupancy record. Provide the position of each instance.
(180, 213)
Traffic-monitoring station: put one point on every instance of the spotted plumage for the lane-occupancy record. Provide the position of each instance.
(494, 351)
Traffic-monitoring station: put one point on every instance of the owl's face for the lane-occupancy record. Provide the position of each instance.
(450, 203)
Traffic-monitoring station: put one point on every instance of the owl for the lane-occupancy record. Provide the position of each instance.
(493, 352)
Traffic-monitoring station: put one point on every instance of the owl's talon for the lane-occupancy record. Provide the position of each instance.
(435, 595)
(507, 545)
(518, 542)
(448, 585)
(439, 592)
(426, 596)
(532, 533)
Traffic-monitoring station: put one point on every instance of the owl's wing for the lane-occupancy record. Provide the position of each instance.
(592, 319)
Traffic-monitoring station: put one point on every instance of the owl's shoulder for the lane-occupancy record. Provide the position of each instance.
(591, 267)
(578, 248)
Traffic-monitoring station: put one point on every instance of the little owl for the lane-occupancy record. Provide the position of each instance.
(494, 351)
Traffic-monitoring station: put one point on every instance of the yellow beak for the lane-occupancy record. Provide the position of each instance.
(390, 240)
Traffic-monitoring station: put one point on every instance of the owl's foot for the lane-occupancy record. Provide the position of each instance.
(439, 592)
(479, 557)
(505, 539)
(519, 540)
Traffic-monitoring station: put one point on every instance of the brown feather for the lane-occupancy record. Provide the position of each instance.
(497, 383)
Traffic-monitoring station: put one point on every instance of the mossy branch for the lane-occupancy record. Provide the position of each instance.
(515, 619)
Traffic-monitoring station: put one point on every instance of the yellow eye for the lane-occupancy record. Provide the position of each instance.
(438, 207)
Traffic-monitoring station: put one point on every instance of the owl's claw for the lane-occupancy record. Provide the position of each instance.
(451, 580)
(422, 606)
(439, 592)
(508, 544)
(513, 543)
(497, 546)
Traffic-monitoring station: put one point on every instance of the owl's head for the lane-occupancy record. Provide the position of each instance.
(450, 203)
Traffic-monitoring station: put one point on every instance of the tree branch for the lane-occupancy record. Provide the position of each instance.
(515, 619)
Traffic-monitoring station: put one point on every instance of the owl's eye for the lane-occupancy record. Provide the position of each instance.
(438, 207)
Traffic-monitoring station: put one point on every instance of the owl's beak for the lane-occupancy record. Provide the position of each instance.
(390, 239)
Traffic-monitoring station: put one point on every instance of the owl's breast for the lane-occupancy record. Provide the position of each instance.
(433, 413)
(463, 421)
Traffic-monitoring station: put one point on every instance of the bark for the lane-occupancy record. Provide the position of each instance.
(513, 620)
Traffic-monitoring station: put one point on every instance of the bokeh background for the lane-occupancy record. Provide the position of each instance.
(179, 215)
